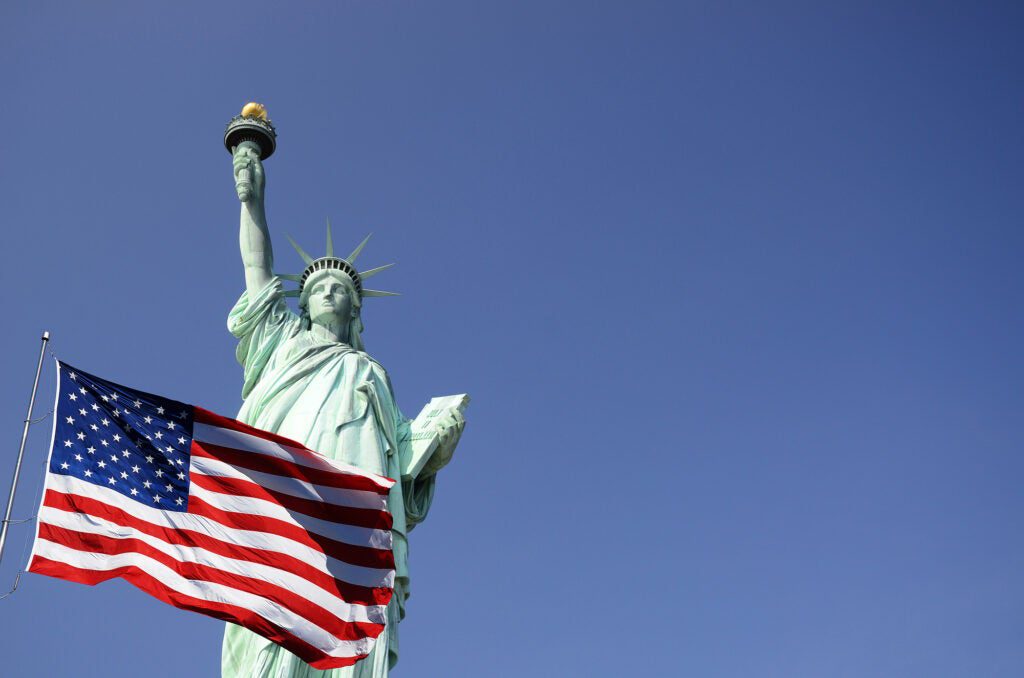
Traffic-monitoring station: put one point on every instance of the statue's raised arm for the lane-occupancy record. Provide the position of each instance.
(253, 235)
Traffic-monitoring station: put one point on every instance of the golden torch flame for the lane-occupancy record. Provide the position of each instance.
(254, 110)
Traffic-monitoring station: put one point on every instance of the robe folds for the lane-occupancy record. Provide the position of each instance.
(337, 401)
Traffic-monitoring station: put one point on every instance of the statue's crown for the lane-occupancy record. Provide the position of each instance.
(329, 262)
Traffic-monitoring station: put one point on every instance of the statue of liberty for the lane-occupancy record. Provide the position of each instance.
(308, 377)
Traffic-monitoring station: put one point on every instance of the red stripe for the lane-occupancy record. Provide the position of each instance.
(346, 515)
(229, 613)
(350, 593)
(95, 543)
(364, 556)
(254, 461)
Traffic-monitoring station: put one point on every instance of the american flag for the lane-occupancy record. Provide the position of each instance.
(211, 515)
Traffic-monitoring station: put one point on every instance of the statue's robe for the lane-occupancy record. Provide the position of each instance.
(337, 401)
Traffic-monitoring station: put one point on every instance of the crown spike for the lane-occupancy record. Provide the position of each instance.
(330, 239)
(380, 293)
(302, 253)
(374, 271)
(355, 253)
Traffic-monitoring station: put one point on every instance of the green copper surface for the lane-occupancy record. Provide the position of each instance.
(307, 377)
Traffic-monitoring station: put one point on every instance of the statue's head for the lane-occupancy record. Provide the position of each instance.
(331, 291)
(330, 299)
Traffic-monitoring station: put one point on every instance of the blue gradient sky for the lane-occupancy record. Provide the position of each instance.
(736, 289)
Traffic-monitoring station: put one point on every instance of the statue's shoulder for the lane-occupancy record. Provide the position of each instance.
(364, 361)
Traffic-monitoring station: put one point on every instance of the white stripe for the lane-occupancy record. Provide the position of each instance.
(293, 486)
(348, 534)
(289, 581)
(245, 441)
(353, 574)
(209, 591)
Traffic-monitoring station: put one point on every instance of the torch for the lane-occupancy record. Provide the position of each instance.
(251, 125)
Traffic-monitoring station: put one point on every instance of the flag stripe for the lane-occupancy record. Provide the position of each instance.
(264, 463)
(244, 614)
(374, 569)
(346, 534)
(309, 507)
(212, 428)
(208, 460)
(286, 599)
(79, 524)
(376, 560)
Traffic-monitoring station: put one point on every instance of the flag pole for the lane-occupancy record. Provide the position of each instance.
(21, 450)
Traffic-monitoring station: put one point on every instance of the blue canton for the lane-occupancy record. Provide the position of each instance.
(131, 442)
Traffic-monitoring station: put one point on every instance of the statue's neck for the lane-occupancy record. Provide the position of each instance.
(337, 333)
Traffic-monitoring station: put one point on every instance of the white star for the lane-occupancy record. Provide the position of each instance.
(65, 466)
(117, 413)
(183, 415)
(148, 419)
(72, 396)
(156, 499)
(67, 443)
(105, 421)
(146, 484)
(78, 457)
(112, 481)
(170, 450)
(179, 501)
(113, 458)
(134, 492)
(104, 443)
(102, 464)
(149, 460)
(168, 487)
(72, 376)
(88, 473)
(113, 396)
(82, 412)
(125, 454)
(95, 407)
(135, 469)
(71, 420)
(159, 473)
(179, 462)
(81, 436)
(159, 410)
(94, 427)
(158, 435)
(105, 399)
(137, 403)
(181, 440)
(124, 474)
(82, 390)
(117, 438)
(91, 449)
(181, 476)
(171, 425)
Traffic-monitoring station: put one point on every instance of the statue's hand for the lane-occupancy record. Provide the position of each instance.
(449, 430)
(248, 171)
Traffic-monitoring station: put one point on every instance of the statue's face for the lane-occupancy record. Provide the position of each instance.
(329, 302)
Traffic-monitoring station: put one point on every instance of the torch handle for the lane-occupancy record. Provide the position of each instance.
(243, 185)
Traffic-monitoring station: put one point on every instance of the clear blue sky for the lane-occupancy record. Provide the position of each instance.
(736, 289)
